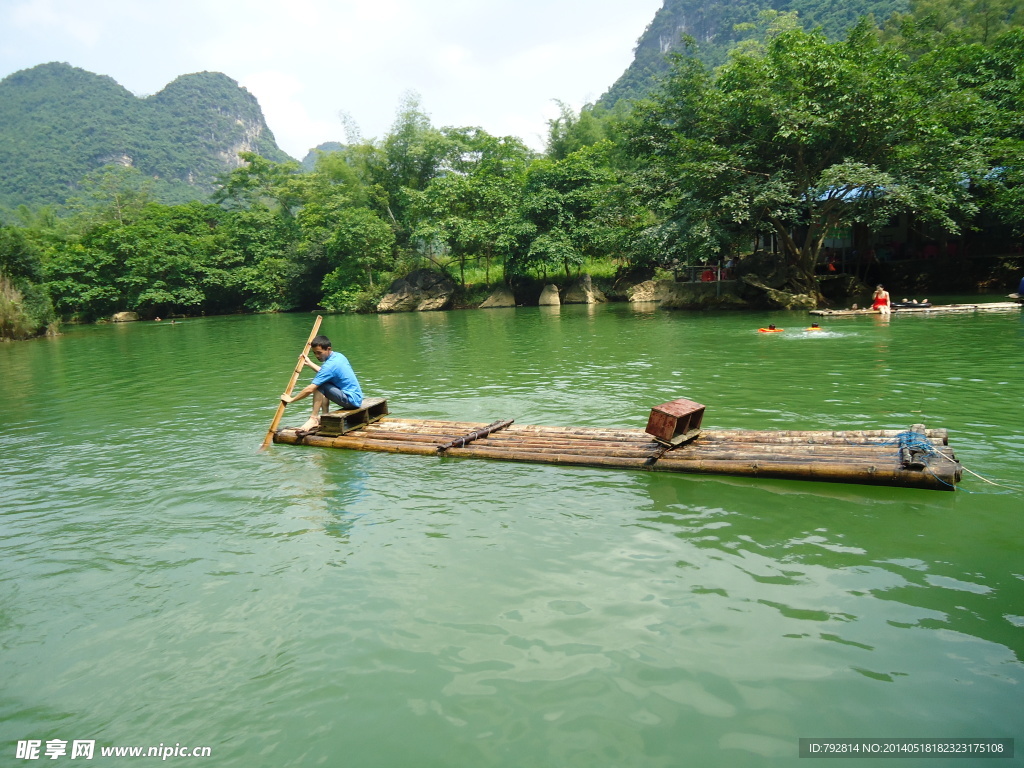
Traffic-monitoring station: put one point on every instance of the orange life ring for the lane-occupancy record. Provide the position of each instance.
(770, 330)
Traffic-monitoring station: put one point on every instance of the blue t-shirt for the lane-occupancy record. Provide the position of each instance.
(337, 370)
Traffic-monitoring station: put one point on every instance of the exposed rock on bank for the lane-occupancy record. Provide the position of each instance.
(650, 291)
(502, 297)
(783, 299)
(672, 295)
(583, 291)
(424, 290)
(419, 291)
(720, 295)
(549, 296)
(124, 317)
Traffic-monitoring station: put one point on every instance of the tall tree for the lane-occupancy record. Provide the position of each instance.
(930, 22)
(562, 217)
(164, 260)
(796, 138)
(978, 88)
(411, 155)
(361, 242)
(466, 207)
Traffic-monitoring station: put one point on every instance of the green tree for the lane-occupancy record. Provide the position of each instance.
(262, 249)
(570, 132)
(360, 243)
(164, 261)
(978, 89)
(19, 257)
(263, 198)
(562, 215)
(409, 157)
(797, 138)
(25, 306)
(261, 182)
(112, 193)
(467, 206)
(933, 22)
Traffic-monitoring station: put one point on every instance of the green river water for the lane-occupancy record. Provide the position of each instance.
(163, 582)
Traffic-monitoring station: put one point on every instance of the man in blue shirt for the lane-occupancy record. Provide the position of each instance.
(335, 381)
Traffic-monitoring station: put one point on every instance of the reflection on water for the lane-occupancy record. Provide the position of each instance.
(164, 581)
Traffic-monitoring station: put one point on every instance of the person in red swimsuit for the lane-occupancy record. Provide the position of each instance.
(880, 301)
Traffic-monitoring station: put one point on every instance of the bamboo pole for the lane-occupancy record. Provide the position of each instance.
(321, 441)
(476, 434)
(291, 385)
(387, 431)
(697, 446)
(521, 451)
(706, 434)
(751, 435)
(550, 443)
(888, 439)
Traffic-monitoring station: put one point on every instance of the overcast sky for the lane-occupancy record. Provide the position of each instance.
(496, 64)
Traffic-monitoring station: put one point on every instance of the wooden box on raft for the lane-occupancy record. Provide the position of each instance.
(675, 422)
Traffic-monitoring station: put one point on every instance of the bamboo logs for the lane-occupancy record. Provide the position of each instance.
(856, 456)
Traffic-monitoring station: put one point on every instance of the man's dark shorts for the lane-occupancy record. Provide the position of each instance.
(333, 393)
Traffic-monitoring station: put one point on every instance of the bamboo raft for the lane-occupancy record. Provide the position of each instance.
(916, 458)
(930, 309)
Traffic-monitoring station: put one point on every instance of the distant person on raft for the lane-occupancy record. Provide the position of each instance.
(880, 301)
(335, 381)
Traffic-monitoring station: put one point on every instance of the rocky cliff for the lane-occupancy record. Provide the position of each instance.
(714, 26)
(58, 123)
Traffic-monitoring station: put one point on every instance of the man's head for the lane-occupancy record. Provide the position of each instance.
(321, 347)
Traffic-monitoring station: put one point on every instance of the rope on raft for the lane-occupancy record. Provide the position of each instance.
(915, 450)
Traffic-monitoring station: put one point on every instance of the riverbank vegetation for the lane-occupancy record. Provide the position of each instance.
(797, 141)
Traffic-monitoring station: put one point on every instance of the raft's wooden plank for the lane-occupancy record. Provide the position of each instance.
(748, 435)
(872, 474)
(748, 451)
(865, 473)
(836, 450)
(862, 456)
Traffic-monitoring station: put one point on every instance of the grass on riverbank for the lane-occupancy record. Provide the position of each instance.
(25, 311)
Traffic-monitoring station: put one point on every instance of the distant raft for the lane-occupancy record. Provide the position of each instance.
(674, 442)
(925, 309)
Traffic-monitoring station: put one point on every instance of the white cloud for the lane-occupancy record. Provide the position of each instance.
(281, 97)
(493, 63)
(36, 15)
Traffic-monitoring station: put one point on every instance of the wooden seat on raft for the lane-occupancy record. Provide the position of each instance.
(337, 423)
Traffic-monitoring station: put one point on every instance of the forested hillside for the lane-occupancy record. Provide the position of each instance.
(59, 123)
(899, 143)
(715, 26)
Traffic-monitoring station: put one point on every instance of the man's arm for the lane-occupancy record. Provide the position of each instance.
(304, 392)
